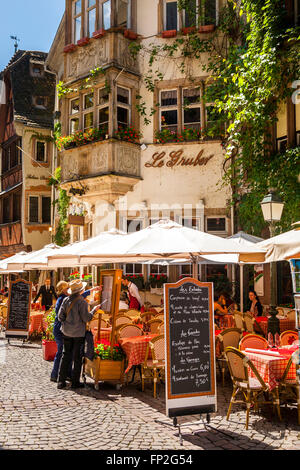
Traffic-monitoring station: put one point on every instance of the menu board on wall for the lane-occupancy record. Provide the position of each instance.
(18, 315)
(190, 351)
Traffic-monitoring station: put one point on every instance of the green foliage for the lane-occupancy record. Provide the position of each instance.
(50, 325)
(62, 235)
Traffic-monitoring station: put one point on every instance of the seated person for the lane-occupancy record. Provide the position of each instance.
(254, 306)
(123, 305)
(220, 308)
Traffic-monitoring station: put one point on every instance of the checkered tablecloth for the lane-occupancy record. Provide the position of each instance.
(271, 368)
(105, 333)
(285, 324)
(135, 349)
(225, 321)
(37, 322)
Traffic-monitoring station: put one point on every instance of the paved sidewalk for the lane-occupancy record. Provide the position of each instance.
(35, 415)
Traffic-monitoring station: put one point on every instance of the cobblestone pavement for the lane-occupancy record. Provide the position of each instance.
(35, 415)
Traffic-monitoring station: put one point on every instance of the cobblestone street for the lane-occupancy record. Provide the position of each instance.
(35, 415)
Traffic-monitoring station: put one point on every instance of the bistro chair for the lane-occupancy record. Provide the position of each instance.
(161, 329)
(251, 388)
(146, 316)
(288, 337)
(239, 320)
(123, 320)
(153, 369)
(120, 312)
(132, 313)
(3, 317)
(160, 316)
(291, 315)
(228, 337)
(253, 341)
(258, 329)
(126, 331)
(249, 321)
(289, 389)
(94, 324)
(153, 325)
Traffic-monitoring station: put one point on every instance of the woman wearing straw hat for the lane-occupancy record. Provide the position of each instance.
(62, 292)
(74, 315)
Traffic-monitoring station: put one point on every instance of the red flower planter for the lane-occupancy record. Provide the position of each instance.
(172, 33)
(83, 42)
(208, 28)
(129, 34)
(189, 30)
(49, 350)
(99, 34)
(70, 48)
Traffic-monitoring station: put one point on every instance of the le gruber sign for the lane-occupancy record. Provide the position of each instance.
(190, 348)
(176, 159)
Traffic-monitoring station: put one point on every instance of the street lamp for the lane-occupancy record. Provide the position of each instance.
(272, 207)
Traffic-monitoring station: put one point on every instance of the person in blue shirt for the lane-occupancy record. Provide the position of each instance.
(62, 292)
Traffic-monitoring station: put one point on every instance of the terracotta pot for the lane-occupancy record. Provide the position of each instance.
(83, 42)
(208, 28)
(189, 30)
(129, 34)
(70, 48)
(172, 33)
(99, 34)
(49, 350)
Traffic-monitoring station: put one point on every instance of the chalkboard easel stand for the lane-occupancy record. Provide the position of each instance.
(207, 427)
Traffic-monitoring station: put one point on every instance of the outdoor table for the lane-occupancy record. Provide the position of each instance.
(105, 333)
(37, 322)
(271, 368)
(135, 349)
(226, 321)
(284, 324)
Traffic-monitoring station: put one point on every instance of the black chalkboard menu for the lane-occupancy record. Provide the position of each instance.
(18, 308)
(190, 354)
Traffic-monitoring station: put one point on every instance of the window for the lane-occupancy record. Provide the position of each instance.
(39, 210)
(123, 106)
(123, 13)
(190, 222)
(281, 144)
(103, 108)
(210, 12)
(39, 102)
(191, 13)
(40, 154)
(158, 269)
(169, 110)
(132, 269)
(77, 19)
(46, 210)
(91, 17)
(12, 155)
(33, 209)
(191, 108)
(106, 14)
(36, 70)
(16, 207)
(171, 15)
(88, 118)
(134, 225)
(6, 210)
(216, 224)
(214, 125)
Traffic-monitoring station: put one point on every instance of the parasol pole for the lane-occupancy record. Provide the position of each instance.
(194, 266)
(242, 287)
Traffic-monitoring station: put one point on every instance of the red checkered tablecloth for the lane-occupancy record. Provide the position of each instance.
(105, 333)
(135, 349)
(37, 322)
(285, 324)
(271, 368)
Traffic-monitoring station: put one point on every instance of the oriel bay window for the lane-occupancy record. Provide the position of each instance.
(89, 16)
(123, 106)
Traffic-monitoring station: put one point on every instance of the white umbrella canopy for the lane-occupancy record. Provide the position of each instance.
(70, 255)
(17, 257)
(282, 247)
(168, 240)
(34, 260)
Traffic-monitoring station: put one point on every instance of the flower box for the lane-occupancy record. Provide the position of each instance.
(172, 33)
(189, 30)
(208, 28)
(49, 349)
(83, 42)
(70, 48)
(76, 220)
(99, 33)
(129, 34)
(104, 371)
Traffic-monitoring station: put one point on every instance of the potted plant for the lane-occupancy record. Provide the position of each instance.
(99, 33)
(74, 275)
(108, 364)
(70, 48)
(83, 41)
(48, 343)
(207, 28)
(172, 33)
(137, 279)
(129, 34)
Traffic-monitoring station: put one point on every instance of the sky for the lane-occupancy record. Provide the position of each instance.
(34, 22)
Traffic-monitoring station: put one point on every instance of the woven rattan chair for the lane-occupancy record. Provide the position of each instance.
(239, 320)
(249, 321)
(126, 331)
(288, 337)
(123, 311)
(253, 341)
(154, 325)
(289, 389)
(147, 316)
(133, 313)
(291, 315)
(161, 329)
(228, 337)
(123, 320)
(3, 317)
(250, 388)
(94, 324)
(160, 316)
(153, 369)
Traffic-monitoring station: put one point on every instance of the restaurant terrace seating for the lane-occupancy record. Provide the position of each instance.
(290, 388)
(147, 316)
(250, 388)
(153, 325)
(228, 337)
(152, 369)
(160, 316)
(249, 321)
(239, 320)
(291, 315)
(122, 320)
(94, 323)
(253, 341)
(288, 337)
